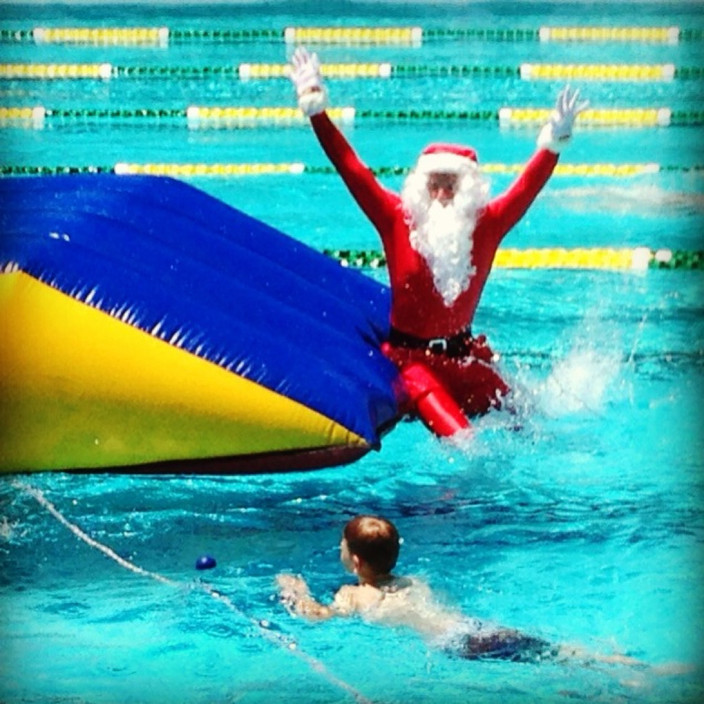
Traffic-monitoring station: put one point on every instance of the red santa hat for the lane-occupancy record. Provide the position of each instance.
(441, 157)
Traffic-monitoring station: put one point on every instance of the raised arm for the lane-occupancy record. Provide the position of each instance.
(510, 206)
(377, 202)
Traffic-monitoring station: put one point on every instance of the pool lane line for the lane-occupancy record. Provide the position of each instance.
(249, 116)
(642, 117)
(241, 169)
(580, 258)
(263, 626)
(412, 36)
(253, 169)
(102, 36)
(639, 73)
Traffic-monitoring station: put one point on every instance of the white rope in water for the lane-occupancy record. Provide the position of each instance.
(43, 501)
(273, 637)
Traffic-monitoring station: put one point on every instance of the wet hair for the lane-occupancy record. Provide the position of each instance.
(374, 540)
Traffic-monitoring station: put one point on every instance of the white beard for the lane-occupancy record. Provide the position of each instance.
(445, 242)
(443, 235)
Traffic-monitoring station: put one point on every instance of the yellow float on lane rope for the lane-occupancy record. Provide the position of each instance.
(665, 35)
(354, 35)
(102, 36)
(598, 72)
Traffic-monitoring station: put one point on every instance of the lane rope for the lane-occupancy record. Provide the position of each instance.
(599, 72)
(658, 35)
(252, 71)
(237, 169)
(635, 259)
(102, 36)
(377, 36)
(366, 36)
(263, 626)
(198, 117)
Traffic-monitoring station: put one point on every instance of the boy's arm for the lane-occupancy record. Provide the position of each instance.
(297, 598)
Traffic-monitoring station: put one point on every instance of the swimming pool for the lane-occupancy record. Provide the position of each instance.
(585, 526)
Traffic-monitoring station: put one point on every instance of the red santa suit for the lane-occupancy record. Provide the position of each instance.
(446, 373)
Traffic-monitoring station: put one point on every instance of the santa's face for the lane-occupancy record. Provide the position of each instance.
(442, 187)
(442, 210)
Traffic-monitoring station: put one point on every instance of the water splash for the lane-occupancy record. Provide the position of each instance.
(582, 381)
(587, 372)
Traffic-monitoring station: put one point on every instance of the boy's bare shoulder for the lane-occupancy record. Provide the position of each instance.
(353, 598)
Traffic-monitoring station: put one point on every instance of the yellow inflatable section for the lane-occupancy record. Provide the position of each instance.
(80, 387)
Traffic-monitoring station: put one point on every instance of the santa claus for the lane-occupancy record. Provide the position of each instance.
(440, 235)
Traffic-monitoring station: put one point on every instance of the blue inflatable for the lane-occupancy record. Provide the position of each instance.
(148, 327)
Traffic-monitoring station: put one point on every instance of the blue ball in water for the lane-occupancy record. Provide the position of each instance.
(205, 562)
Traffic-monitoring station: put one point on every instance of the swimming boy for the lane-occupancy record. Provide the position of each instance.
(369, 549)
(440, 235)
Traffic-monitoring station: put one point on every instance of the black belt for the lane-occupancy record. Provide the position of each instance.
(454, 346)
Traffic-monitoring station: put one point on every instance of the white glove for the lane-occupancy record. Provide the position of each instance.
(308, 81)
(557, 132)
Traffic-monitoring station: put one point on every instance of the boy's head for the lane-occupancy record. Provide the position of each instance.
(373, 540)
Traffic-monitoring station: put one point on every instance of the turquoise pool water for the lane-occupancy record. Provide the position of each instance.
(585, 526)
